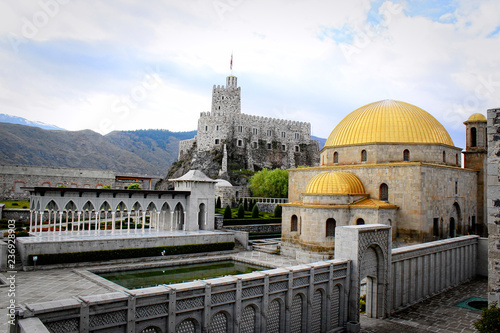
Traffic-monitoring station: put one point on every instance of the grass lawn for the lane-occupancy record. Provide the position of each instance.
(16, 204)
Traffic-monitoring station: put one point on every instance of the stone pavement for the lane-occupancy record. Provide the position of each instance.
(437, 314)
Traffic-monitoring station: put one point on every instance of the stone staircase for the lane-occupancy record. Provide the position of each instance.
(270, 245)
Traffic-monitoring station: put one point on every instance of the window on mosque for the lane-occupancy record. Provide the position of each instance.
(240, 143)
(330, 227)
(363, 156)
(335, 157)
(456, 187)
(240, 129)
(294, 224)
(452, 227)
(473, 225)
(360, 221)
(444, 157)
(283, 134)
(217, 127)
(255, 131)
(206, 128)
(406, 155)
(269, 132)
(473, 137)
(297, 149)
(297, 136)
(384, 192)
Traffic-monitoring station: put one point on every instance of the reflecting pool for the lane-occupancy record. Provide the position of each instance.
(142, 278)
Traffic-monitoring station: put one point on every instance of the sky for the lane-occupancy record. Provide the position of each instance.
(126, 65)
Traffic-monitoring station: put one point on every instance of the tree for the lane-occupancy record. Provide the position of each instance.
(255, 212)
(227, 213)
(106, 186)
(270, 184)
(241, 211)
(277, 211)
(245, 204)
(134, 187)
(218, 203)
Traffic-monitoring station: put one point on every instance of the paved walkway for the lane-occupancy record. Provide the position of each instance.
(437, 314)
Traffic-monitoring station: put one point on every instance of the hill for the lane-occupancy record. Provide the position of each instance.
(143, 151)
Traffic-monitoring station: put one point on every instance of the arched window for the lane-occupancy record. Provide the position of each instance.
(335, 157)
(330, 227)
(406, 155)
(360, 221)
(294, 226)
(363, 155)
(384, 192)
(444, 156)
(473, 137)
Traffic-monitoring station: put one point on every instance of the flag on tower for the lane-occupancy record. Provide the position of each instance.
(231, 65)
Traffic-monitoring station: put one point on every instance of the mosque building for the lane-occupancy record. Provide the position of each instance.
(391, 163)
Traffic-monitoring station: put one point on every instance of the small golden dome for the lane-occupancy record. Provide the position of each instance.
(388, 121)
(331, 182)
(477, 117)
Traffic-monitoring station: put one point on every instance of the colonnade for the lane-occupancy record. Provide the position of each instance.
(53, 221)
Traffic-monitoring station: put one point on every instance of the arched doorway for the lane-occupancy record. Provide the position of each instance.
(360, 221)
(179, 217)
(201, 217)
(371, 271)
(456, 226)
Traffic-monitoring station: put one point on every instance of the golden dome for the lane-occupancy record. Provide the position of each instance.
(388, 121)
(331, 182)
(477, 117)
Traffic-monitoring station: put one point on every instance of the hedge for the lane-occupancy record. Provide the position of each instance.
(59, 258)
(252, 221)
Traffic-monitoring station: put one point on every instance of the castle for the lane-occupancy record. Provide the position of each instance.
(260, 142)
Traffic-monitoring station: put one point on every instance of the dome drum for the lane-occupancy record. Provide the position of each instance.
(331, 199)
(392, 153)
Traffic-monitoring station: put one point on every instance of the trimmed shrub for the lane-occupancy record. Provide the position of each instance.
(277, 211)
(218, 203)
(490, 320)
(227, 213)
(245, 204)
(241, 211)
(255, 211)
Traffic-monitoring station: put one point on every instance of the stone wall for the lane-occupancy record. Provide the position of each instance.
(22, 215)
(493, 205)
(305, 298)
(424, 270)
(13, 177)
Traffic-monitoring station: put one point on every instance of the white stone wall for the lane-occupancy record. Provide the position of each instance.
(493, 205)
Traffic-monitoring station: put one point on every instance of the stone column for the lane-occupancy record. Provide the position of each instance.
(128, 221)
(113, 222)
(60, 222)
(31, 220)
(41, 222)
(171, 220)
(143, 219)
(79, 218)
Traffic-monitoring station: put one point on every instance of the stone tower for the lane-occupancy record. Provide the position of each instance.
(475, 155)
(227, 99)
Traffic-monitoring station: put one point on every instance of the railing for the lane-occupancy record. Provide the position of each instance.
(267, 200)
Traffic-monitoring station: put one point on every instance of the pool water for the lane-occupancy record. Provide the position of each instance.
(143, 278)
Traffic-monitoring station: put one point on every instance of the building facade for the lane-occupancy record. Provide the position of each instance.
(409, 170)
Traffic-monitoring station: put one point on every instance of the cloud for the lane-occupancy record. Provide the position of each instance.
(309, 61)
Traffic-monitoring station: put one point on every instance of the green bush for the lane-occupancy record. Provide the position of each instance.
(218, 203)
(241, 211)
(59, 258)
(255, 212)
(227, 213)
(245, 204)
(490, 320)
(134, 187)
(277, 211)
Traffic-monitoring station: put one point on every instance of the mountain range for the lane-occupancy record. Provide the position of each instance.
(147, 152)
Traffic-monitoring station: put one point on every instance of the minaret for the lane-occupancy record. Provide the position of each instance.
(475, 155)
